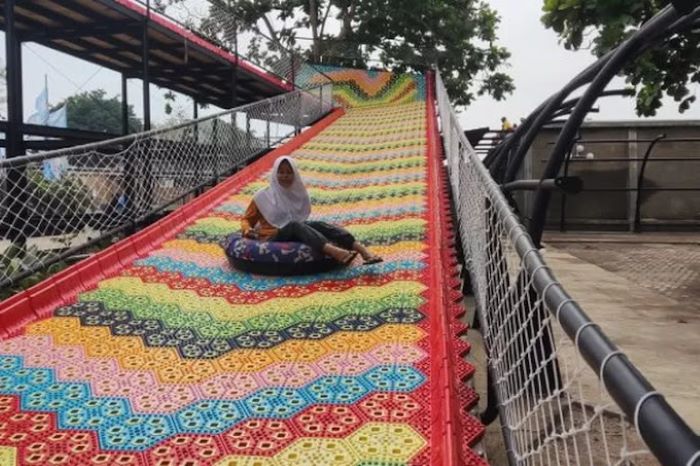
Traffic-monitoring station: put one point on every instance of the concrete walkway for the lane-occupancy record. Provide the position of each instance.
(554, 238)
(660, 334)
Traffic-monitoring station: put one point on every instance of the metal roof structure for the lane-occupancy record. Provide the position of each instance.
(129, 37)
(110, 33)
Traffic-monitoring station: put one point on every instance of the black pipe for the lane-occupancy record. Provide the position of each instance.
(545, 109)
(640, 184)
(655, 188)
(567, 106)
(14, 137)
(562, 212)
(528, 185)
(669, 438)
(626, 52)
(125, 106)
(542, 114)
(490, 413)
(267, 126)
(146, 75)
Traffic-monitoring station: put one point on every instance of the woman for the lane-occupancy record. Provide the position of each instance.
(280, 212)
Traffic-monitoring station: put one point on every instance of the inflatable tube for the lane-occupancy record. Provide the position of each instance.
(275, 258)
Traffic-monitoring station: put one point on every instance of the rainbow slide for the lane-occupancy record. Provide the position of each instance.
(156, 352)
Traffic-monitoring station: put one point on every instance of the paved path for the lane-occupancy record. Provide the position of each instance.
(645, 297)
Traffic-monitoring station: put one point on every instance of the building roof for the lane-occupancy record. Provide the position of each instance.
(110, 33)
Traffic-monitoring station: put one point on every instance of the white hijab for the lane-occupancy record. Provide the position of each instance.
(281, 205)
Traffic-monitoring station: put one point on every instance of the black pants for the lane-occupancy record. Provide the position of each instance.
(315, 235)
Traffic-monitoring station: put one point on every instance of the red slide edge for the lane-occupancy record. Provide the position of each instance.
(453, 429)
(194, 38)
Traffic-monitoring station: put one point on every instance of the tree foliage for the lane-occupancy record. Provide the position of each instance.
(602, 25)
(457, 35)
(93, 111)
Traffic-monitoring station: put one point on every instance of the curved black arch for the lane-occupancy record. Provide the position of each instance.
(506, 159)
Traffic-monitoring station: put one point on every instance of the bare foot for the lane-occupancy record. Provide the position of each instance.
(341, 255)
(350, 257)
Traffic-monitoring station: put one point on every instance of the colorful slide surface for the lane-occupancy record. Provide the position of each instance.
(157, 352)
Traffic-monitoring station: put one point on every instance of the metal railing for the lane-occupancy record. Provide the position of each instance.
(54, 204)
(642, 184)
(279, 61)
(565, 393)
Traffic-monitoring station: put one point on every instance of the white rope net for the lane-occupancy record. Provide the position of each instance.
(53, 202)
(552, 406)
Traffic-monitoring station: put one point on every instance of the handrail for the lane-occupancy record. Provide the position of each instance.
(667, 435)
(640, 185)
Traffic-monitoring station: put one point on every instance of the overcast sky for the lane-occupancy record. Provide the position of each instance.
(539, 66)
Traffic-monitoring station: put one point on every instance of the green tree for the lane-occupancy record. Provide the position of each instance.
(601, 25)
(93, 111)
(457, 35)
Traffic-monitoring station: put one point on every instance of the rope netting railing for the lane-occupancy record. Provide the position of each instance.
(52, 204)
(565, 393)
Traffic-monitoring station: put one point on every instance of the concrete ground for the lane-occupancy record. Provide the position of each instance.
(492, 444)
(644, 292)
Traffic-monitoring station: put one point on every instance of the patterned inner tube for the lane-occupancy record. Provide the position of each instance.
(275, 258)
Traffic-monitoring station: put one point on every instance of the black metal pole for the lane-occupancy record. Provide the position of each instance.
(146, 76)
(537, 119)
(562, 213)
(234, 77)
(195, 115)
(145, 172)
(217, 150)
(17, 176)
(234, 91)
(13, 53)
(640, 184)
(234, 86)
(125, 106)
